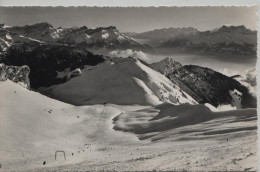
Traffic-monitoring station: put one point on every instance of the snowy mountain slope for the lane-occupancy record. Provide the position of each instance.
(85, 134)
(33, 127)
(166, 121)
(31, 119)
(223, 141)
(119, 81)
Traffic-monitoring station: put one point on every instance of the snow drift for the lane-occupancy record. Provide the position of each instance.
(166, 120)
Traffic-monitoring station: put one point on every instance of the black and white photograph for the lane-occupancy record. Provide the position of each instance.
(89, 88)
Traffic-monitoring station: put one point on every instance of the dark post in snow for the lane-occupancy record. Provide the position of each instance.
(57, 151)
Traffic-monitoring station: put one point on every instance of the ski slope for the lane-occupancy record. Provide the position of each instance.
(33, 127)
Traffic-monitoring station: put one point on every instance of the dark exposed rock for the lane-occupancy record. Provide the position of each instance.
(166, 67)
(18, 74)
(45, 60)
(204, 85)
(240, 28)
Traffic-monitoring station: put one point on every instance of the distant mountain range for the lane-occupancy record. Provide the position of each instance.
(226, 39)
(163, 34)
(101, 38)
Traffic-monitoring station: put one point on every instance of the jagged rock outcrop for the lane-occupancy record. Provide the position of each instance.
(236, 96)
(205, 85)
(241, 29)
(74, 73)
(18, 74)
(166, 66)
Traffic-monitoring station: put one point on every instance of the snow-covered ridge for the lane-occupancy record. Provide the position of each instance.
(119, 81)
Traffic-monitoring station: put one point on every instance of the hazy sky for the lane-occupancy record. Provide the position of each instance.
(132, 19)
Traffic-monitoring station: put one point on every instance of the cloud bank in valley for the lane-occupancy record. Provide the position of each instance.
(249, 80)
(128, 53)
(230, 72)
(251, 76)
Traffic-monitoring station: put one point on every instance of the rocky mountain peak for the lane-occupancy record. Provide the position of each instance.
(35, 27)
(166, 66)
(171, 62)
(109, 28)
(43, 24)
(240, 28)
